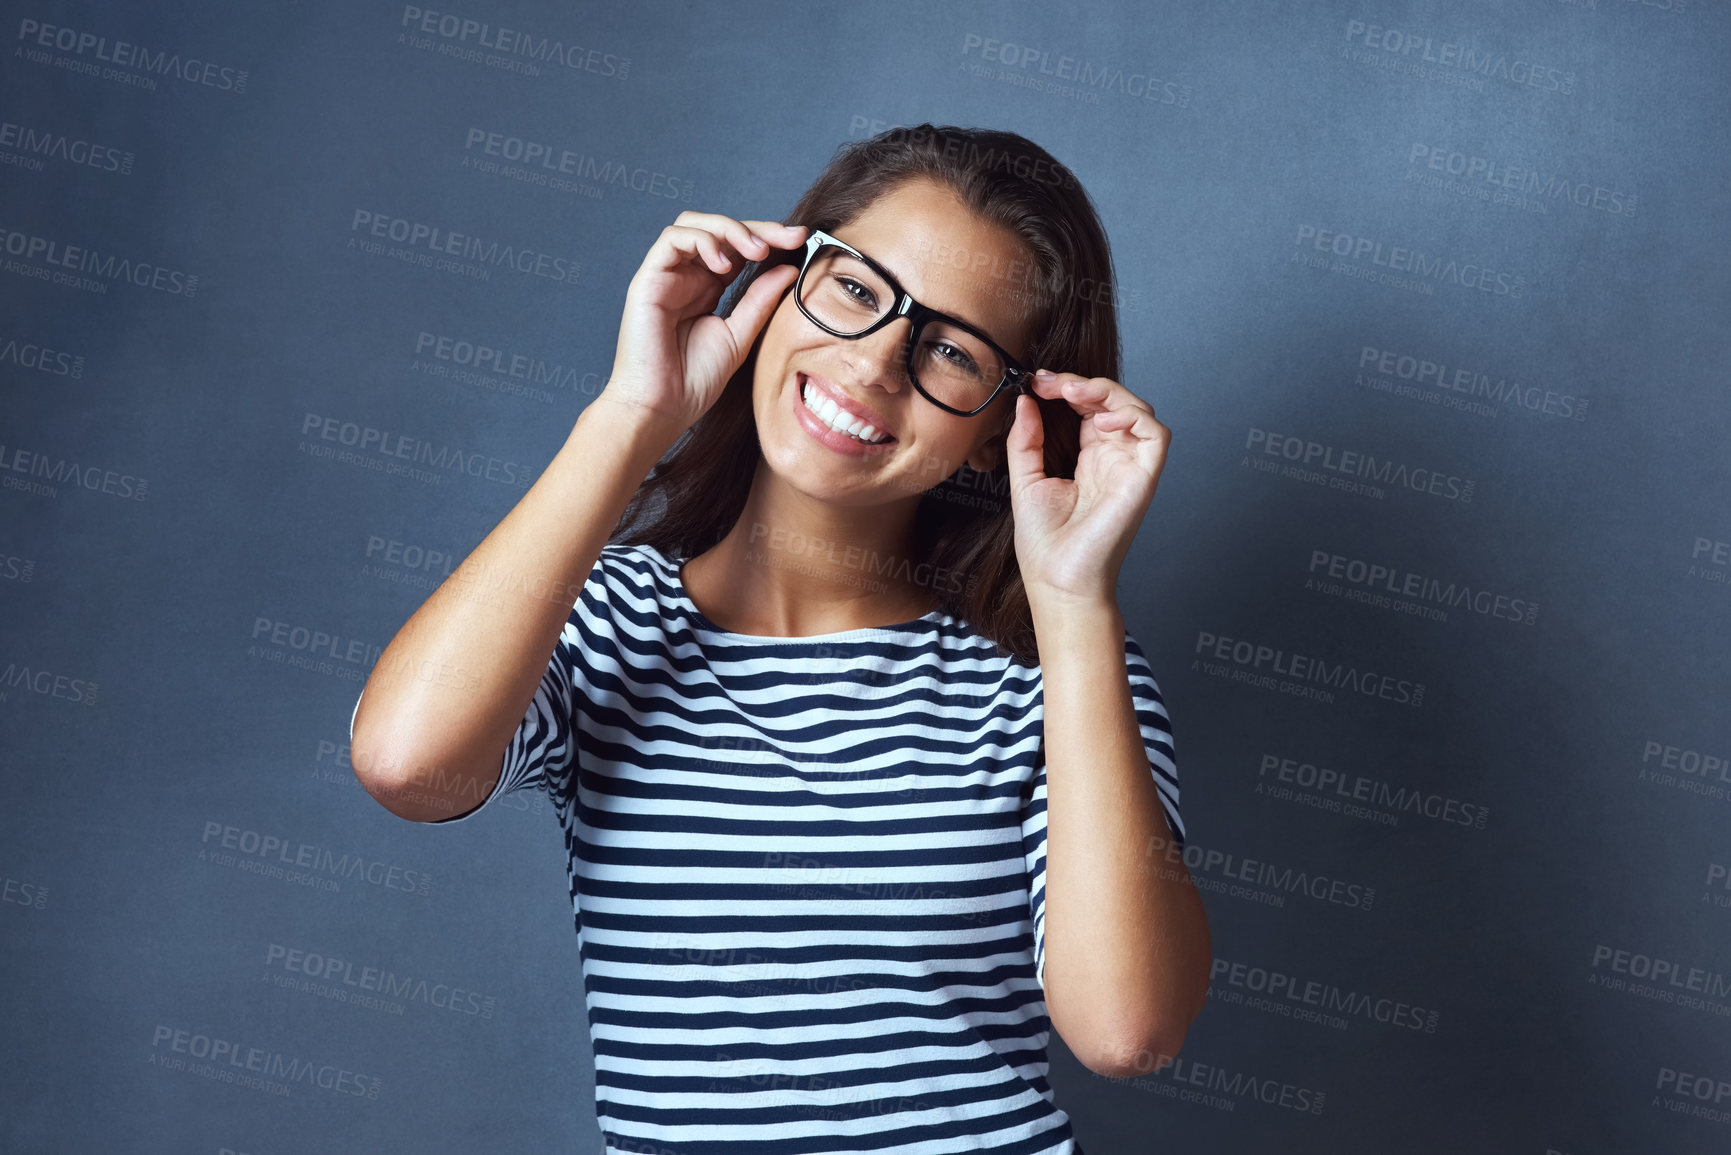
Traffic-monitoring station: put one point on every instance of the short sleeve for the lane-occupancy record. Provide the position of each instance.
(1152, 721)
(542, 747)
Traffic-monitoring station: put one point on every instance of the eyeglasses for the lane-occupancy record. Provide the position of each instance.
(952, 364)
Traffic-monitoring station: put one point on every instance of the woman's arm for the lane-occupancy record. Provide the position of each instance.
(1127, 949)
(452, 687)
(1127, 946)
(447, 694)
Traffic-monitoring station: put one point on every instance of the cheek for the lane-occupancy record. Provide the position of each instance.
(778, 342)
(771, 358)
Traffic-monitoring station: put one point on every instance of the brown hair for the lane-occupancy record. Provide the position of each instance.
(697, 491)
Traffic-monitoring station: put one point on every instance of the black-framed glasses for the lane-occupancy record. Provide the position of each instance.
(950, 362)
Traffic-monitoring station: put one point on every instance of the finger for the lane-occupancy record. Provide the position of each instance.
(774, 232)
(1114, 420)
(745, 242)
(689, 241)
(1087, 395)
(744, 235)
(1024, 445)
(758, 303)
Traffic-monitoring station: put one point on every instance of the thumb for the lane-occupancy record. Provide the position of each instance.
(760, 300)
(1025, 444)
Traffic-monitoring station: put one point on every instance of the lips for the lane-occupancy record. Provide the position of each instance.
(842, 401)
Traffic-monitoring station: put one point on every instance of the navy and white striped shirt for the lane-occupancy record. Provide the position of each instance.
(807, 874)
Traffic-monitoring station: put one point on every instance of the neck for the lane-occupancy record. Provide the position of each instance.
(792, 566)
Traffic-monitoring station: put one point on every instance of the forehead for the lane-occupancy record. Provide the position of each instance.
(949, 258)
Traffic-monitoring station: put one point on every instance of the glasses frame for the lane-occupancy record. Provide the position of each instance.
(1015, 375)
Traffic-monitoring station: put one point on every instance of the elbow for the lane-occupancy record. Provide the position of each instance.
(383, 778)
(390, 780)
(1145, 1047)
(1147, 1035)
(1140, 1054)
(418, 787)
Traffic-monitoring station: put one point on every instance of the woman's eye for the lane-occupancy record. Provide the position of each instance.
(863, 295)
(955, 355)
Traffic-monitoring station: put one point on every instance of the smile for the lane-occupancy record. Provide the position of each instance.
(840, 419)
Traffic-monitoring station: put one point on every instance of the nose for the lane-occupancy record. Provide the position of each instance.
(880, 358)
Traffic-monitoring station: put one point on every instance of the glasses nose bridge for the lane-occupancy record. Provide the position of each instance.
(894, 354)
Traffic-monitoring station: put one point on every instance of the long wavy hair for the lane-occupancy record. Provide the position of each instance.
(695, 494)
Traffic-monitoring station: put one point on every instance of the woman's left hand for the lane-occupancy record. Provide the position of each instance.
(1072, 536)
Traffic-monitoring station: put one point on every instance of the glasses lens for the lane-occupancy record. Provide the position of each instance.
(847, 296)
(843, 292)
(956, 367)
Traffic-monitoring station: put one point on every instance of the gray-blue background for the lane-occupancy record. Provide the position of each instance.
(174, 531)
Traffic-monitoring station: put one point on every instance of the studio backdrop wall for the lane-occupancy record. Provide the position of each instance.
(1432, 295)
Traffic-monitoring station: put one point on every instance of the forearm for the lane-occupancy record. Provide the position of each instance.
(451, 688)
(1127, 945)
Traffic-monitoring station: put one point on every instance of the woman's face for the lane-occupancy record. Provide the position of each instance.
(920, 232)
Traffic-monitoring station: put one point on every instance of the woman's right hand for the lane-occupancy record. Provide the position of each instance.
(674, 355)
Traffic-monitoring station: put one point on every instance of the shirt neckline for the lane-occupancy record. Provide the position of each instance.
(671, 567)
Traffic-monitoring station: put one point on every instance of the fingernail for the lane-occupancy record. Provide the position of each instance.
(1044, 373)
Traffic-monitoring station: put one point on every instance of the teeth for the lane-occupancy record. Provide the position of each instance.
(840, 419)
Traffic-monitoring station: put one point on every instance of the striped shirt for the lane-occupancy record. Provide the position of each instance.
(807, 874)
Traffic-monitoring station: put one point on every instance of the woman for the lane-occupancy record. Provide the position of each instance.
(865, 785)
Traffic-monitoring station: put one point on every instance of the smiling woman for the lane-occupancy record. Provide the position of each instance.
(984, 226)
(859, 772)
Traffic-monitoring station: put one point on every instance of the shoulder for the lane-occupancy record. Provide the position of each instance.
(635, 570)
